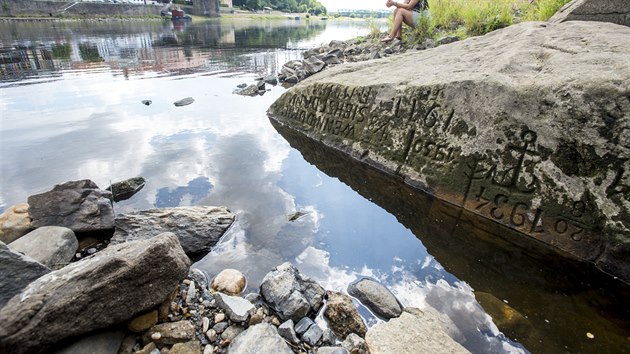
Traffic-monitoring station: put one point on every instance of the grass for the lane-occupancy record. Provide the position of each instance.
(465, 18)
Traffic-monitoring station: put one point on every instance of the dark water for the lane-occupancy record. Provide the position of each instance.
(70, 109)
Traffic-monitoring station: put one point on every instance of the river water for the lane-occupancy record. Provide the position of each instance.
(70, 106)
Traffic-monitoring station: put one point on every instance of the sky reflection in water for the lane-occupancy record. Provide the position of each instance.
(72, 111)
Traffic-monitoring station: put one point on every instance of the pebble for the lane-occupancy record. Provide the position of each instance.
(91, 250)
(205, 324)
(156, 336)
(211, 334)
(219, 317)
(208, 349)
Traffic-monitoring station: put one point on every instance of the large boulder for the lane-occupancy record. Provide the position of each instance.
(15, 222)
(110, 287)
(526, 126)
(291, 294)
(16, 272)
(262, 338)
(415, 331)
(376, 297)
(52, 246)
(198, 228)
(78, 205)
(615, 11)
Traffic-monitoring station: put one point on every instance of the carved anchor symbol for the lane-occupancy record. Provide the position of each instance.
(510, 177)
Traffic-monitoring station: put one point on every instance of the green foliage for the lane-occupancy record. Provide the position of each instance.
(465, 18)
(5, 6)
(312, 7)
(542, 10)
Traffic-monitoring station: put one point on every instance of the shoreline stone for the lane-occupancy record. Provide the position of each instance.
(376, 297)
(53, 246)
(132, 278)
(15, 222)
(78, 205)
(198, 228)
(18, 271)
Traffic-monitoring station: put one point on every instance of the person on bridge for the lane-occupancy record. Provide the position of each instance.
(409, 13)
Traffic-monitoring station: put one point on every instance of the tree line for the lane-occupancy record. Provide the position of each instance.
(313, 7)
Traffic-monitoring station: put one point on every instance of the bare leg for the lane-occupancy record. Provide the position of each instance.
(400, 16)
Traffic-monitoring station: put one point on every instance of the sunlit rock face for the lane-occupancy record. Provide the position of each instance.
(528, 126)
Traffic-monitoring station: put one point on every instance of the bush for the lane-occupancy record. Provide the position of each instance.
(477, 17)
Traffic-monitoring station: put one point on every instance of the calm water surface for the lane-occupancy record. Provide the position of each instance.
(70, 108)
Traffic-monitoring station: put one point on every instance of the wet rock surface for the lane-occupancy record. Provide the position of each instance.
(519, 144)
(343, 317)
(126, 189)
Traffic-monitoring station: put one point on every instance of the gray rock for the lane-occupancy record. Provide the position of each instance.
(291, 294)
(191, 294)
(254, 298)
(231, 332)
(331, 59)
(329, 337)
(52, 246)
(190, 347)
(260, 85)
(236, 308)
(303, 325)
(293, 79)
(106, 342)
(260, 339)
(220, 327)
(17, 272)
(198, 228)
(343, 317)
(184, 102)
(313, 65)
(332, 350)
(78, 205)
(517, 141)
(131, 279)
(313, 335)
(251, 90)
(357, 345)
(447, 40)
(337, 52)
(375, 55)
(287, 331)
(376, 297)
(241, 86)
(146, 102)
(271, 79)
(428, 43)
(15, 222)
(415, 331)
(126, 189)
(337, 44)
(615, 11)
(170, 333)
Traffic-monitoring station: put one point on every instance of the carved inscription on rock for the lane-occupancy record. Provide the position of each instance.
(506, 193)
(330, 109)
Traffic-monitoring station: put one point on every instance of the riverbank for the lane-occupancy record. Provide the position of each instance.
(139, 284)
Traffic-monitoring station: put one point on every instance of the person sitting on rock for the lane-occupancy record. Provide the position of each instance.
(409, 13)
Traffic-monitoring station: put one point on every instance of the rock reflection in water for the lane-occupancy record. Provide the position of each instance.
(551, 302)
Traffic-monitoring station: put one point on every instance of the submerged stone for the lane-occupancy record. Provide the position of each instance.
(526, 126)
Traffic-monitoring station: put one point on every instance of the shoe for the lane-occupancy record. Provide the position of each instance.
(387, 39)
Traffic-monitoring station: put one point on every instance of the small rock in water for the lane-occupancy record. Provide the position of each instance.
(184, 102)
(296, 215)
(91, 250)
(147, 102)
(229, 281)
(241, 85)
